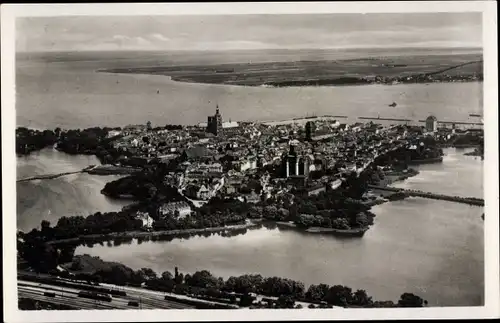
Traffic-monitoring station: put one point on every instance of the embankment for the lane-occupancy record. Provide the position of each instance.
(143, 234)
(354, 232)
(426, 161)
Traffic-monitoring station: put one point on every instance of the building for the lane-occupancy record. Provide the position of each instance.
(179, 208)
(315, 190)
(230, 124)
(134, 129)
(214, 123)
(210, 168)
(194, 153)
(245, 164)
(295, 164)
(198, 192)
(335, 184)
(431, 124)
(310, 128)
(147, 221)
(113, 133)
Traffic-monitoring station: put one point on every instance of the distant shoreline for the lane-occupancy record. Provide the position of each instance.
(364, 69)
(330, 82)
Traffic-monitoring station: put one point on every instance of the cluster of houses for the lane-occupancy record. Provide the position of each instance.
(254, 161)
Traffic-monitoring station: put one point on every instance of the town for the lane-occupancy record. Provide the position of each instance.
(182, 159)
(313, 174)
(275, 170)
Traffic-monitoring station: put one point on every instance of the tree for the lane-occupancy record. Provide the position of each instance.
(203, 279)
(119, 275)
(166, 275)
(246, 300)
(317, 292)
(410, 300)
(244, 284)
(339, 295)
(148, 273)
(360, 298)
(285, 301)
(45, 224)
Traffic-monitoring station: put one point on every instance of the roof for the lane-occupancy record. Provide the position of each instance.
(196, 152)
(177, 204)
(232, 124)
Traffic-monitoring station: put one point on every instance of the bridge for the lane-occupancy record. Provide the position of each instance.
(92, 169)
(435, 196)
(47, 176)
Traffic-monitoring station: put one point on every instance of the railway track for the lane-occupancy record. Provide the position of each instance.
(70, 296)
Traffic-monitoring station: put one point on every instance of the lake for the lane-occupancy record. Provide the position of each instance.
(432, 248)
(76, 194)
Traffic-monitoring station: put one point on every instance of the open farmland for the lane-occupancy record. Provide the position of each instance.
(319, 72)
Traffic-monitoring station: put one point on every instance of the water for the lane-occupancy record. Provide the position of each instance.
(72, 95)
(76, 194)
(433, 178)
(432, 248)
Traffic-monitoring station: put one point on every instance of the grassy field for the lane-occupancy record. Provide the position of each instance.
(255, 74)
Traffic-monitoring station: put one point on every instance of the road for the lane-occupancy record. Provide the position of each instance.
(69, 296)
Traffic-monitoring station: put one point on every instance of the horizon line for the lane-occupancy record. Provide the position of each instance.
(256, 49)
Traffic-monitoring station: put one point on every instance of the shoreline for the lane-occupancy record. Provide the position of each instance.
(170, 233)
(426, 161)
(249, 223)
(337, 82)
(353, 232)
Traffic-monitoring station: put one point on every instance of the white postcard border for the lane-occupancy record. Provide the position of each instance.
(491, 222)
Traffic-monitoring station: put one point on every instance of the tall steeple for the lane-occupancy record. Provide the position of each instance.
(214, 123)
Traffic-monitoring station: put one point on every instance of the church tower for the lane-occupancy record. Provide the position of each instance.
(214, 123)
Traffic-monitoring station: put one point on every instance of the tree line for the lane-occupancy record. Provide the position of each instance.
(241, 290)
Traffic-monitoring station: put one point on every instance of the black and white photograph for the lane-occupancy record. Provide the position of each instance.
(185, 158)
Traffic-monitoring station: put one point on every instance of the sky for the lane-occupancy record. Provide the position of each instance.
(233, 32)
